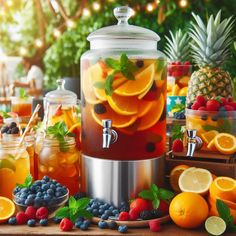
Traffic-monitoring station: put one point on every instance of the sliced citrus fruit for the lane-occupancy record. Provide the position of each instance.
(143, 107)
(225, 143)
(215, 225)
(153, 114)
(123, 105)
(211, 146)
(207, 137)
(183, 91)
(73, 127)
(183, 81)
(175, 90)
(118, 121)
(7, 209)
(196, 180)
(174, 177)
(142, 83)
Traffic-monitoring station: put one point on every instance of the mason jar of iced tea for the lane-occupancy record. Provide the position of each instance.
(22, 106)
(60, 161)
(14, 166)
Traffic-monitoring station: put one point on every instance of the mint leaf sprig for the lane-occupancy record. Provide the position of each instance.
(123, 66)
(75, 209)
(22, 93)
(156, 194)
(224, 213)
(28, 182)
(178, 132)
(60, 131)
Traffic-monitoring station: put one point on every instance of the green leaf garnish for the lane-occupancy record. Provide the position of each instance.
(224, 213)
(108, 84)
(5, 115)
(28, 182)
(75, 209)
(22, 93)
(156, 194)
(223, 126)
(178, 132)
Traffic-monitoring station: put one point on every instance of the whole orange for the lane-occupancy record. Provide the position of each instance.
(188, 210)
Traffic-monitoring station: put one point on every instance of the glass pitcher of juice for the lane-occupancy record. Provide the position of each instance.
(61, 162)
(14, 166)
(123, 93)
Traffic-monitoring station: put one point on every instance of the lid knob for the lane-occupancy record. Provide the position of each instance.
(123, 14)
(60, 84)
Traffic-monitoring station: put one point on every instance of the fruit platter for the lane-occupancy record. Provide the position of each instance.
(102, 164)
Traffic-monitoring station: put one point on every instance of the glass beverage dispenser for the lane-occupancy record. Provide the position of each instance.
(123, 100)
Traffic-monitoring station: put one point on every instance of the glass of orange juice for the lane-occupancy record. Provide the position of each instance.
(14, 166)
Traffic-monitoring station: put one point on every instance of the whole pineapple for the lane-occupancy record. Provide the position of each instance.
(210, 48)
(177, 47)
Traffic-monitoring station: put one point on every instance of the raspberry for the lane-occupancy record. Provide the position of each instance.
(201, 100)
(140, 204)
(202, 109)
(164, 207)
(232, 104)
(212, 105)
(230, 99)
(229, 108)
(177, 146)
(134, 214)
(155, 225)
(223, 101)
(42, 213)
(187, 63)
(66, 225)
(124, 216)
(30, 212)
(21, 218)
(195, 105)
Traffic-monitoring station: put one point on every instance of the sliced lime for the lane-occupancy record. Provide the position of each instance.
(214, 225)
(7, 163)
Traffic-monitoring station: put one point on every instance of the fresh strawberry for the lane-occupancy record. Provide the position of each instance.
(195, 105)
(212, 105)
(201, 100)
(178, 63)
(164, 207)
(124, 216)
(140, 204)
(230, 99)
(30, 212)
(223, 101)
(66, 225)
(202, 109)
(177, 146)
(229, 108)
(42, 213)
(21, 218)
(134, 214)
(155, 225)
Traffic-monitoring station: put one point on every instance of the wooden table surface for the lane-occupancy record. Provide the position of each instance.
(54, 230)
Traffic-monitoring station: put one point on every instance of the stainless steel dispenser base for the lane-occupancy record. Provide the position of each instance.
(116, 181)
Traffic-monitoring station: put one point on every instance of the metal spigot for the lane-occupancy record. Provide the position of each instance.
(109, 135)
(194, 142)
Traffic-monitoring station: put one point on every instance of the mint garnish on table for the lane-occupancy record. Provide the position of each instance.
(224, 213)
(75, 209)
(123, 66)
(155, 194)
(28, 182)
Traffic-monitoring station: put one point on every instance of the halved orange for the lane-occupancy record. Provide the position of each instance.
(7, 209)
(225, 143)
(174, 176)
(123, 105)
(142, 83)
(118, 121)
(207, 137)
(153, 114)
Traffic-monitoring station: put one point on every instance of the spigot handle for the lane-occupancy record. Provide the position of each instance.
(109, 135)
(194, 142)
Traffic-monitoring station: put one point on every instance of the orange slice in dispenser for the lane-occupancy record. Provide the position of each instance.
(142, 83)
(7, 209)
(225, 143)
(124, 105)
(153, 114)
(183, 81)
(118, 121)
(144, 107)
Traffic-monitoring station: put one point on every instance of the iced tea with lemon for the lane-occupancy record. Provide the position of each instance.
(14, 166)
(132, 94)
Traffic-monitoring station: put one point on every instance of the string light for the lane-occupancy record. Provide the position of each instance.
(38, 43)
(70, 23)
(183, 3)
(23, 51)
(9, 3)
(56, 33)
(86, 12)
(150, 7)
(96, 6)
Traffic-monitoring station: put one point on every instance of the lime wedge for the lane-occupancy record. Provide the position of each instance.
(215, 225)
(7, 163)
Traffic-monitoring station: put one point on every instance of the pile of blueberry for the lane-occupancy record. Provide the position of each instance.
(112, 225)
(148, 215)
(10, 129)
(180, 115)
(45, 192)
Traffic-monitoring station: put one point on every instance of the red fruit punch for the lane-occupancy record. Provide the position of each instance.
(140, 204)
(134, 214)
(150, 96)
(154, 225)
(66, 225)
(31, 212)
(21, 218)
(124, 216)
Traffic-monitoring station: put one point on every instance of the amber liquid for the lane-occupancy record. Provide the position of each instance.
(22, 109)
(137, 111)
